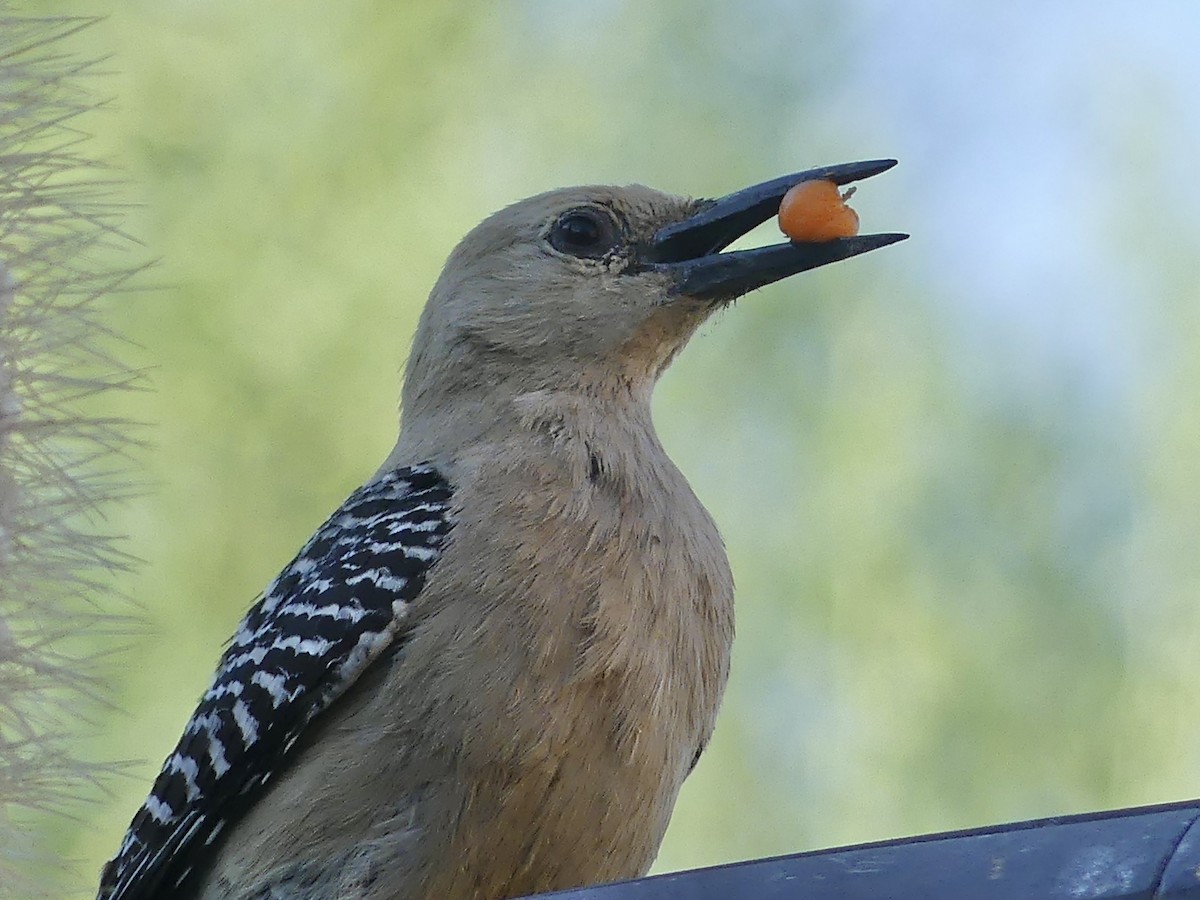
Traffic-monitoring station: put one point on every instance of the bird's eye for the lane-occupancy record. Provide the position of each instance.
(588, 233)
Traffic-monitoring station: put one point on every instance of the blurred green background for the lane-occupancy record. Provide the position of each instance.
(958, 478)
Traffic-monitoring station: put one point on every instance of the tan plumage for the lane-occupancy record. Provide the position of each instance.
(489, 672)
(568, 652)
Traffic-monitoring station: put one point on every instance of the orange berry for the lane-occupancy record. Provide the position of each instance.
(815, 211)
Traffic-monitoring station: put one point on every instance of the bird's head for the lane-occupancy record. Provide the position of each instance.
(597, 288)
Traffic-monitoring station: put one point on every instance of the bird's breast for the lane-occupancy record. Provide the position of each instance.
(608, 608)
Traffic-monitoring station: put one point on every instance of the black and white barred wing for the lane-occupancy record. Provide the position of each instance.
(333, 610)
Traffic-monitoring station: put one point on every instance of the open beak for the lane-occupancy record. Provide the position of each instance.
(690, 250)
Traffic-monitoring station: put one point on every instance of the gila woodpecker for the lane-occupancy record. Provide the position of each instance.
(490, 671)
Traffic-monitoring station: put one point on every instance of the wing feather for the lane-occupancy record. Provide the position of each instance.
(327, 616)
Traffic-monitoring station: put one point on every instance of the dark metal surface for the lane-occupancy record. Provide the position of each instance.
(1148, 853)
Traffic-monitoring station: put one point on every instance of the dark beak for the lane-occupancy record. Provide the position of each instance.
(691, 250)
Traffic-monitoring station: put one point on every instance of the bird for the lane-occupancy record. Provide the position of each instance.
(489, 672)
